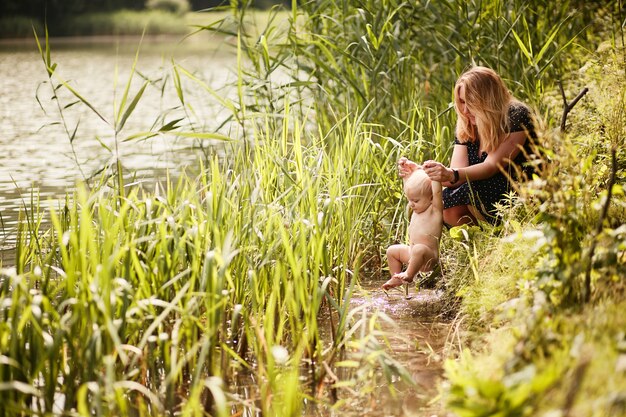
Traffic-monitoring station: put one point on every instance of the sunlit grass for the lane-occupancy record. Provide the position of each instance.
(169, 300)
(206, 277)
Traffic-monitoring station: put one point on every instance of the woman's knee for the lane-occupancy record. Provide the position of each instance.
(457, 215)
(452, 215)
(475, 213)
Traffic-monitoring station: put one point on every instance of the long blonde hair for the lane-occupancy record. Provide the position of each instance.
(488, 99)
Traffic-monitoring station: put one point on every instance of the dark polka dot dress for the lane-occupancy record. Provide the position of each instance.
(484, 194)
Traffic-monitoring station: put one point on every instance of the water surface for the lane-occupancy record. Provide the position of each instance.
(37, 158)
(414, 332)
(417, 338)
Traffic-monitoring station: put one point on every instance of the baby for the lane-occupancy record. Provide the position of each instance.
(422, 252)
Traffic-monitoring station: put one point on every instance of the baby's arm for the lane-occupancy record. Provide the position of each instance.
(437, 197)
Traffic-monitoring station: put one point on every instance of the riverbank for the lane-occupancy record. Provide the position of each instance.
(124, 23)
(541, 318)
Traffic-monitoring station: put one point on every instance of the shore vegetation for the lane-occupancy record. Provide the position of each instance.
(227, 290)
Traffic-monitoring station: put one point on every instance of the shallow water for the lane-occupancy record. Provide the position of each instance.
(417, 336)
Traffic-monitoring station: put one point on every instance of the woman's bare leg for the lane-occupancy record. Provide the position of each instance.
(458, 215)
(477, 214)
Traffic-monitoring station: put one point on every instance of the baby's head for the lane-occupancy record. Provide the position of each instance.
(418, 190)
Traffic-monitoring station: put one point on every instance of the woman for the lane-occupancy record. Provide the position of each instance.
(493, 129)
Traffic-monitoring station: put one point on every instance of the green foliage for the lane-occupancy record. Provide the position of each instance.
(172, 6)
(581, 222)
(188, 285)
(18, 27)
(544, 361)
(512, 395)
(154, 292)
(123, 22)
(168, 296)
(387, 58)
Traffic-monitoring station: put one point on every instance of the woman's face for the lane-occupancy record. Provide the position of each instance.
(463, 106)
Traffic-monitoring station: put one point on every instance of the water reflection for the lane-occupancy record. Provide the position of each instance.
(417, 335)
(37, 157)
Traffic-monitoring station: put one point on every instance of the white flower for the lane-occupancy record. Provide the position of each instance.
(280, 354)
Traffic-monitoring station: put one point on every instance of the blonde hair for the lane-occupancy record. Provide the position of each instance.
(419, 182)
(488, 99)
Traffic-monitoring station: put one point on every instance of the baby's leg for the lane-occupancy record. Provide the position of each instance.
(422, 259)
(397, 257)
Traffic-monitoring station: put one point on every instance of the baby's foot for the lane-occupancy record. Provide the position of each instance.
(404, 277)
(393, 282)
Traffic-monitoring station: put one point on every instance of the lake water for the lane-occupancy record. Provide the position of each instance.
(36, 153)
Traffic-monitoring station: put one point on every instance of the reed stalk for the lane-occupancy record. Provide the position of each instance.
(164, 301)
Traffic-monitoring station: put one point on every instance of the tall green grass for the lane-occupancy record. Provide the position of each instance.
(151, 301)
(167, 301)
(389, 58)
(155, 302)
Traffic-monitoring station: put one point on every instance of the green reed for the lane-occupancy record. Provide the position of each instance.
(152, 298)
(167, 301)
(385, 58)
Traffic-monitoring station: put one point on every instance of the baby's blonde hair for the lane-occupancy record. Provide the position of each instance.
(420, 182)
(488, 99)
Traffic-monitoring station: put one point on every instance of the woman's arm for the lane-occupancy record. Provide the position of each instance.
(438, 172)
(496, 160)
(459, 159)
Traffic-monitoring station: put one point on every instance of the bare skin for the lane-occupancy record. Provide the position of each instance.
(496, 161)
(422, 252)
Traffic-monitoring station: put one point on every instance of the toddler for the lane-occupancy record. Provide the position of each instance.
(426, 205)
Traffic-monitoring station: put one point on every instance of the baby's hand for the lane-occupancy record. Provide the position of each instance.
(406, 167)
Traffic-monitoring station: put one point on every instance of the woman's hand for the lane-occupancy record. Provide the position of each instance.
(438, 172)
(406, 167)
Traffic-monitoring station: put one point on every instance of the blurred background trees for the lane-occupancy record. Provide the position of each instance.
(17, 16)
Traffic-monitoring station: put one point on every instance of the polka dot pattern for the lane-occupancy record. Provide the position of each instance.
(484, 194)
